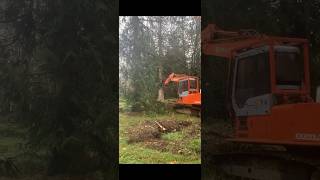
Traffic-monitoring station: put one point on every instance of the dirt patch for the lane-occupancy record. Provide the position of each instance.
(143, 132)
(161, 145)
(133, 113)
(178, 148)
(153, 129)
(156, 144)
(194, 130)
(172, 126)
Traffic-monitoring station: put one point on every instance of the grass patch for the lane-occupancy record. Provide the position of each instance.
(123, 105)
(11, 138)
(9, 146)
(194, 145)
(176, 136)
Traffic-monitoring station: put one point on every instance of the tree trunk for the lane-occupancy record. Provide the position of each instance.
(160, 41)
(160, 91)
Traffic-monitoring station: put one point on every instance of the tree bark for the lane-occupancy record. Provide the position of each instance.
(160, 70)
(160, 91)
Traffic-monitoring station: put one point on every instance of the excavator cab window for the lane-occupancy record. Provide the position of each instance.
(252, 78)
(193, 84)
(289, 67)
(183, 88)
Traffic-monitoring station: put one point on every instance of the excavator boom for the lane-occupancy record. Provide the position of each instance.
(176, 78)
(221, 43)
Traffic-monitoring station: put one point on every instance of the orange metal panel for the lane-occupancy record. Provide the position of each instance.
(258, 127)
(287, 124)
(191, 99)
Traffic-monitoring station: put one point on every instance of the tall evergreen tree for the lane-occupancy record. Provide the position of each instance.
(64, 90)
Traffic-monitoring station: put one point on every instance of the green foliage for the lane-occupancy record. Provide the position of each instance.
(72, 157)
(61, 81)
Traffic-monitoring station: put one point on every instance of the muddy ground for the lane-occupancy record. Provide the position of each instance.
(150, 133)
(153, 129)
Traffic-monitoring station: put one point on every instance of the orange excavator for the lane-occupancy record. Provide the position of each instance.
(189, 93)
(268, 88)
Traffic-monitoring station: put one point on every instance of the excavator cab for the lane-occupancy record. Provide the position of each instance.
(187, 86)
(257, 86)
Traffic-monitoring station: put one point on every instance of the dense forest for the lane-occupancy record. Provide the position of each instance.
(57, 61)
(150, 49)
(288, 18)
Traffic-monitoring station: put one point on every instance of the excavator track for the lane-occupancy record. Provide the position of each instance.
(190, 110)
(264, 162)
(266, 165)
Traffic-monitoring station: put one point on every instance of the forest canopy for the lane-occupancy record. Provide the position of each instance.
(151, 48)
